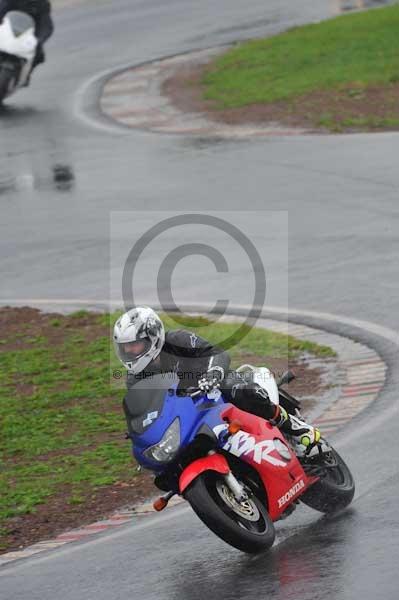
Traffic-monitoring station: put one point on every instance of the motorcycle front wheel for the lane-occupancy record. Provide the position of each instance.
(335, 488)
(245, 525)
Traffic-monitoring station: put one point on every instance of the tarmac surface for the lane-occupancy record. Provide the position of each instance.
(327, 206)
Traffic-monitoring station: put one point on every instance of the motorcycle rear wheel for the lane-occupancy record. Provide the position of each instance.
(334, 490)
(246, 526)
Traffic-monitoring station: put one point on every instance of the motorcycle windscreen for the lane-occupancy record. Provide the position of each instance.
(144, 401)
(20, 22)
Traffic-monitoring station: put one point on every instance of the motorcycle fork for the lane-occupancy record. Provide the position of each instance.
(235, 487)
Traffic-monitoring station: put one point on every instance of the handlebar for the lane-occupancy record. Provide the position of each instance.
(285, 379)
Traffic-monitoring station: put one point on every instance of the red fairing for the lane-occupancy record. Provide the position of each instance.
(284, 479)
(213, 462)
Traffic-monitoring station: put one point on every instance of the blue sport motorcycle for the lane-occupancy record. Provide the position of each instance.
(237, 471)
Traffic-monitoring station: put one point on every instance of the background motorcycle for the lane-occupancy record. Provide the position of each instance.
(17, 50)
(236, 470)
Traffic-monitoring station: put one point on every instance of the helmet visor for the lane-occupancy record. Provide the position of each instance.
(131, 351)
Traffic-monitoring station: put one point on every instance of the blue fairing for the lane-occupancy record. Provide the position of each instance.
(192, 414)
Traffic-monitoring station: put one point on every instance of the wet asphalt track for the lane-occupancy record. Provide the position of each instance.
(341, 194)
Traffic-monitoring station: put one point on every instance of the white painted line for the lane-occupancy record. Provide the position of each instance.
(80, 110)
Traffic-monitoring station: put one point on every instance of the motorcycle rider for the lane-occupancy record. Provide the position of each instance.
(40, 11)
(144, 348)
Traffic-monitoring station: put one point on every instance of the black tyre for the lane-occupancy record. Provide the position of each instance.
(5, 78)
(246, 526)
(336, 487)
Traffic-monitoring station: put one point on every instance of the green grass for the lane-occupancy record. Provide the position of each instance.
(360, 48)
(61, 423)
(368, 123)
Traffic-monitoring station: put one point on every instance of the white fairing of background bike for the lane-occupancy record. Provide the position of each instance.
(22, 46)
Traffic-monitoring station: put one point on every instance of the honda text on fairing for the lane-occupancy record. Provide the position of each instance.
(17, 51)
(237, 471)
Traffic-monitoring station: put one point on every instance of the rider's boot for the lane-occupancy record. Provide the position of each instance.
(304, 438)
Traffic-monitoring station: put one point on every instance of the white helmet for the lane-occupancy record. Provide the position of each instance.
(139, 335)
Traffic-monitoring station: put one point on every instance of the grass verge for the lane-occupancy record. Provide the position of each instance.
(61, 423)
(355, 56)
